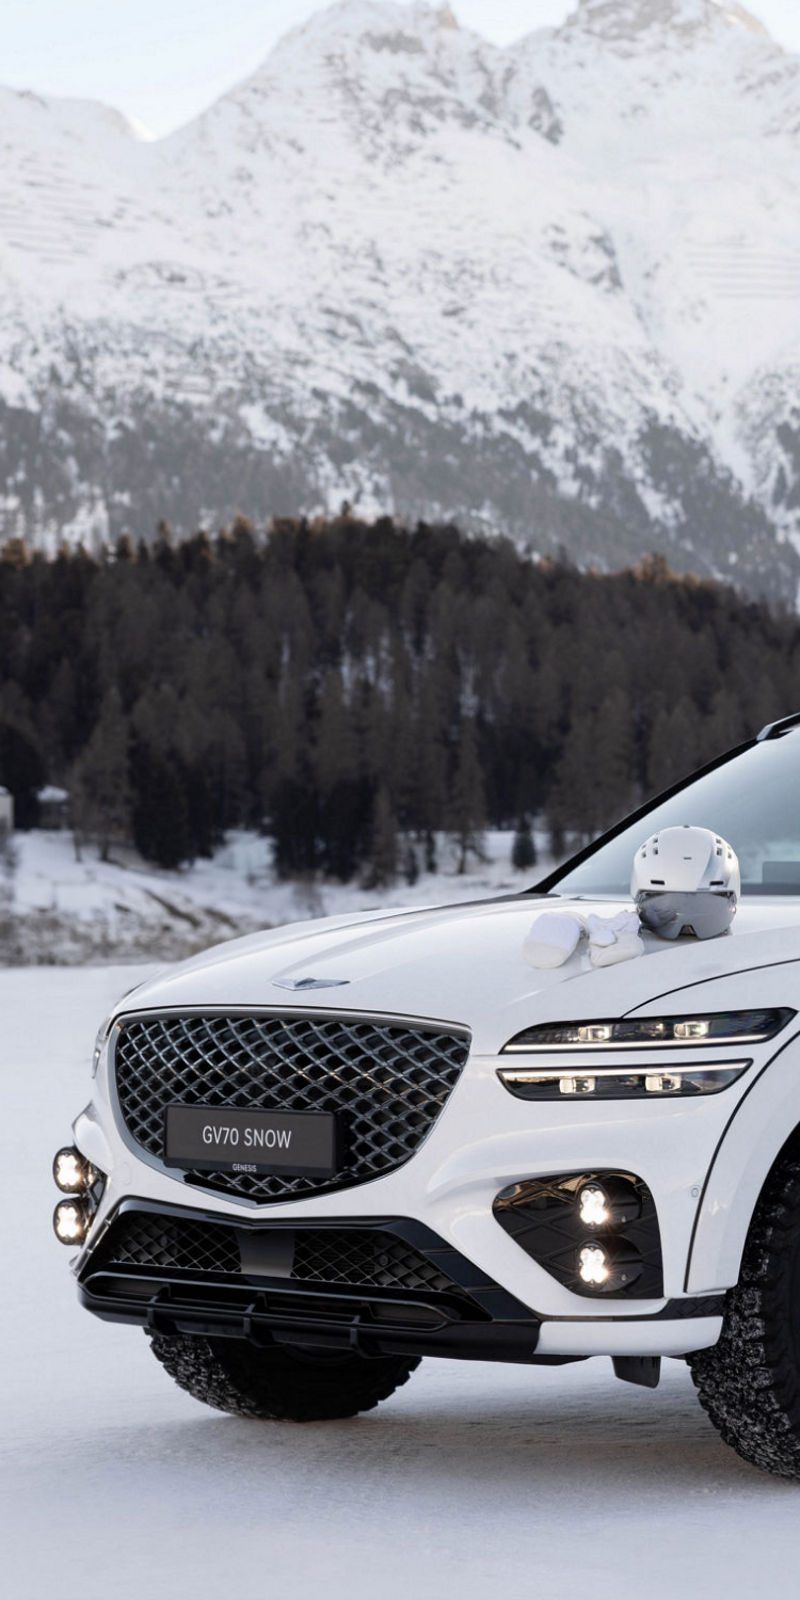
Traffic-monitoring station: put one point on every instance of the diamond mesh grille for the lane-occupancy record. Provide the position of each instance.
(141, 1240)
(361, 1258)
(365, 1260)
(388, 1082)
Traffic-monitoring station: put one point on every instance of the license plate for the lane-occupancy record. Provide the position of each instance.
(300, 1144)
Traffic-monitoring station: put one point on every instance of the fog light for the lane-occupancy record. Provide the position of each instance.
(594, 1210)
(611, 1269)
(611, 1204)
(594, 1266)
(71, 1220)
(72, 1172)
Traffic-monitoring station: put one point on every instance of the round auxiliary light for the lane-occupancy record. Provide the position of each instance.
(612, 1203)
(594, 1266)
(609, 1269)
(594, 1207)
(72, 1172)
(71, 1221)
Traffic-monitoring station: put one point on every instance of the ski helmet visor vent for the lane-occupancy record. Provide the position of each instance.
(702, 913)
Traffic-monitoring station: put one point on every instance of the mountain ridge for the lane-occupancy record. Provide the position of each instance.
(402, 266)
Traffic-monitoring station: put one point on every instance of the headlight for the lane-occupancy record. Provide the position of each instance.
(609, 1083)
(723, 1027)
(588, 1078)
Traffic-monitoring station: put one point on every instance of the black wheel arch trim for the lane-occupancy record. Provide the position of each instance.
(721, 1140)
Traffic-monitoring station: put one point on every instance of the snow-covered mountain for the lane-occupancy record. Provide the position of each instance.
(553, 289)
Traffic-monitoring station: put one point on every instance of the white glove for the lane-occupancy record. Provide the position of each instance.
(613, 939)
(554, 937)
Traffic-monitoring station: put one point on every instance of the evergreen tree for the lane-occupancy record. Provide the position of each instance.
(332, 672)
(8, 867)
(467, 807)
(674, 747)
(344, 799)
(523, 850)
(161, 826)
(22, 769)
(100, 787)
(410, 861)
(381, 869)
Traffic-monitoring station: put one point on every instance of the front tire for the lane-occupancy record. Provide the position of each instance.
(281, 1383)
(749, 1383)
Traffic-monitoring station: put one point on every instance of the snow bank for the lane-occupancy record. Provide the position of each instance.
(67, 912)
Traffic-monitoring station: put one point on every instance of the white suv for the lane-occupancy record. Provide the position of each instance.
(314, 1155)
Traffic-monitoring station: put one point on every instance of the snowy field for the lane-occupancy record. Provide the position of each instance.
(70, 912)
(473, 1480)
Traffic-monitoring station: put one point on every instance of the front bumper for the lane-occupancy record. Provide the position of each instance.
(240, 1284)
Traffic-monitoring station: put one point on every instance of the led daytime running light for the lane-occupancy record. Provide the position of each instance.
(681, 1082)
(636, 1033)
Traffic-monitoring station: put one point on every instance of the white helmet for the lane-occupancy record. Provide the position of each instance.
(686, 880)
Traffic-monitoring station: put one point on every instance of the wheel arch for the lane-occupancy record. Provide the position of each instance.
(763, 1130)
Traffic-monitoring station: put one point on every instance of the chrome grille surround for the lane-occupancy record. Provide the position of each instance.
(388, 1079)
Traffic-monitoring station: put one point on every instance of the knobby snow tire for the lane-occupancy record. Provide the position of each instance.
(280, 1384)
(749, 1383)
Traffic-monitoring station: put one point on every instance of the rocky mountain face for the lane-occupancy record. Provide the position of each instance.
(553, 290)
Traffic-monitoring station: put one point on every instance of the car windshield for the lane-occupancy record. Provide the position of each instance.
(753, 801)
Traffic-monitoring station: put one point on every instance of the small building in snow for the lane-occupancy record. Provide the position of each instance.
(6, 811)
(53, 807)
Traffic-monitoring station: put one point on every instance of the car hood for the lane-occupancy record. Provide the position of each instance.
(460, 964)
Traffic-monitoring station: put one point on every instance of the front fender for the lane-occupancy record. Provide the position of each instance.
(758, 1128)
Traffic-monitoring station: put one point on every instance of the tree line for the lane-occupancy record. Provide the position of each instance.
(354, 689)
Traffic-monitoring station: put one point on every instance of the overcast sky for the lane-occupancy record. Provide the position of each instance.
(162, 61)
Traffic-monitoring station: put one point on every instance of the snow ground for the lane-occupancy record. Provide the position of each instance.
(473, 1480)
(69, 913)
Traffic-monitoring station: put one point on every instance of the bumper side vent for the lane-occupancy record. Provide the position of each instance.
(596, 1232)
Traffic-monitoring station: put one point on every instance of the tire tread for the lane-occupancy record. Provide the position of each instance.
(278, 1384)
(749, 1383)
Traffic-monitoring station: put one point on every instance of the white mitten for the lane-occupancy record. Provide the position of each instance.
(613, 939)
(553, 938)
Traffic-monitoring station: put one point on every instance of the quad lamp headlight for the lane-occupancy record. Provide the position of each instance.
(535, 1080)
(722, 1027)
(608, 1083)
